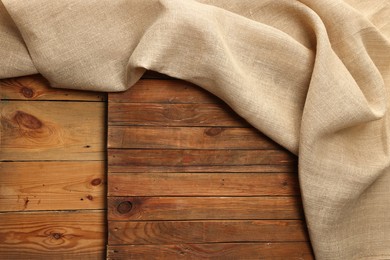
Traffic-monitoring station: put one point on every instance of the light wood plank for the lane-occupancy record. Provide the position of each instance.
(215, 251)
(202, 184)
(52, 185)
(188, 138)
(36, 87)
(52, 130)
(190, 208)
(164, 91)
(173, 232)
(154, 114)
(52, 235)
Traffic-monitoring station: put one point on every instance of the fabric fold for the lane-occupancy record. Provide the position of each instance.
(312, 75)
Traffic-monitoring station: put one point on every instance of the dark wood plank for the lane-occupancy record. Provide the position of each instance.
(215, 251)
(173, 232)
(36, 87)
(184, 168)
(164, 91)
(52, 130)
(188, 138)
(202, 208)
(52, 185)
(204, 169)
(52, 235)
(154, 114)
(191, 158)
(202, 184)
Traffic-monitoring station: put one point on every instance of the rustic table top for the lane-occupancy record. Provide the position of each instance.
(179, 173)
(188, 178)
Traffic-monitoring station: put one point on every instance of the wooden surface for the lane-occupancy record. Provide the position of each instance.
(52, 172)
(189, 179)
(222, 251)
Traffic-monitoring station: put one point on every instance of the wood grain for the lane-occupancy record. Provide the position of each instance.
(153, 114)
(52, 235)
(215, 251)
(190, 179)
(204, 169)
(202, 184)
(188, 138)
(36, 87)
(218, 231)
(164, 91)
(52, 130)
(202, 208)
(52, 150)
(188, 158)
(52, 185)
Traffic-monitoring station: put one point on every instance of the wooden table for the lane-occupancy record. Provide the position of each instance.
(187, 177)
(52, 172)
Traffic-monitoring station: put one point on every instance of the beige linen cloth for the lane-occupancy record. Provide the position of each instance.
(314, 75)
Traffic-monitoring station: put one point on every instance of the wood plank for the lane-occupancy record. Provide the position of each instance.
(227, 231)
(52, 185)
(202, 208)
(52, 130)
(202, 184)
(154, 114)
(204, 169)
(52, 235)
(188, 138)
(215, 251)
(164, 91)
(36, 87)
(120, 160)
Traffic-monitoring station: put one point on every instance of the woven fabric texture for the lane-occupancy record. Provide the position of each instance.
(312, 75)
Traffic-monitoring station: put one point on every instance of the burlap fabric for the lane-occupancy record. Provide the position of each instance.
(314, 75)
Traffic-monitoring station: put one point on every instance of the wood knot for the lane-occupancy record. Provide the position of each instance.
(27, 92)
(26, 201)
(27, 121)
(213, 131)
(57, 235)
(96, 182)
(90, 197)
(124, 207)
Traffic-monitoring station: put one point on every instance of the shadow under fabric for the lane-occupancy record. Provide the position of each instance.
(312, 75)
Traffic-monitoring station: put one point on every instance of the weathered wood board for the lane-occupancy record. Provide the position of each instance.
(52, 185)
(202, 184)
(52, 235)
(218, 251)
(46, 130)
(190, 179)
